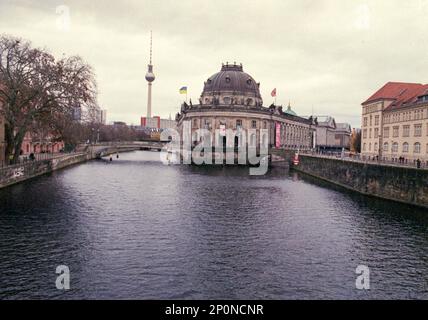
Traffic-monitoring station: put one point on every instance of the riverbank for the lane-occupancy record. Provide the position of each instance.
(21, 172)
(401, 184)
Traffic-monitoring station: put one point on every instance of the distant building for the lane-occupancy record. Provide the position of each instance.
(40, 142)
(332, 136)
(77, 113)
(103, 117)
(231, 100)
(119, 124)
(395, 123)
(157, 123)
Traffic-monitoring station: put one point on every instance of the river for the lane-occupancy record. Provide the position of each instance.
(135, 228)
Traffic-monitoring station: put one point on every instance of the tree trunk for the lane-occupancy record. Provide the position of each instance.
(10, 142)
(19, 138)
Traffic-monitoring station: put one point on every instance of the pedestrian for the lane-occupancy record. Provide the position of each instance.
(418, 163)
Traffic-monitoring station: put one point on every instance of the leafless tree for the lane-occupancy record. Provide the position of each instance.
(36, 89)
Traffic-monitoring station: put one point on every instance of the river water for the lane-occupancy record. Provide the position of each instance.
(134, 228)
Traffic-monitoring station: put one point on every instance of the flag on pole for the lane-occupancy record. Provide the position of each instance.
(183, 90)
(273, 94)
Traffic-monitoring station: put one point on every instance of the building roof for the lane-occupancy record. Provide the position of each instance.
(290, 111)
(343, 126)
(400, 93)
(326, 121)
(232, 78)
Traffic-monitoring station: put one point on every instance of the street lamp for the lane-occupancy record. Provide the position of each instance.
(98, 136)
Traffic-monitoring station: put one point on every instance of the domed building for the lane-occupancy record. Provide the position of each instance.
(231, 100)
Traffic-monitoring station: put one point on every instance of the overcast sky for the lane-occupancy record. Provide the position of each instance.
(326, 56)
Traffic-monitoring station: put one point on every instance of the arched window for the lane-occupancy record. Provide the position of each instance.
(395, 147)
(417, 148)
(227, 100)
(253, 140)
(385, 146)
(405, 147)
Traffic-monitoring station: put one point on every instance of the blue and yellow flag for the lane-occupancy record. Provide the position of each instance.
(183, 90)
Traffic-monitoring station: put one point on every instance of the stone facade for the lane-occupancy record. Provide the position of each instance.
(395, 123)
(331, 135)
(231, 100)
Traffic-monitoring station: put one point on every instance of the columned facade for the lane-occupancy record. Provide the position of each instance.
(231, 100)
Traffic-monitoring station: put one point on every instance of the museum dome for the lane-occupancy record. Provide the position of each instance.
(232, 78)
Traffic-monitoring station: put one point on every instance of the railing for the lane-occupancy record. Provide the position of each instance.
(347, 156)
(38, 157)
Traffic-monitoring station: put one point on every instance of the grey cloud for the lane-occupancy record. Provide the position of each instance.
(319, 54)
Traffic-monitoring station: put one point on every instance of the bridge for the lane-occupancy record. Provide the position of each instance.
(104, 149)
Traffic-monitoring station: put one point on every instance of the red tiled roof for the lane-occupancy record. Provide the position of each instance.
(400, 92)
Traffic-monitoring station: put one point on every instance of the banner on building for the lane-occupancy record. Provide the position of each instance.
(277, 135)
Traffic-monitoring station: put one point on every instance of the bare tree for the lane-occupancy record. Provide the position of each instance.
(37, 89)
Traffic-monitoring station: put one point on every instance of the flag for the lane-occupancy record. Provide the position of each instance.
(273, 94)
(183, 90)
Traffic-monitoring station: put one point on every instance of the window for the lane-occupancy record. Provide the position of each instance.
(376, 133)
(254, 124)
(364, 147)
(406, 131)
(395, 131)
(195, 123)
(395, 147)
(386, 132)
(417, 148)
(207, 124)
(264, 125)
(385, 146)
(238, 124)
(376, 120)
(365, 121)
(405, 147)
(371, 120)
(370, 147)
(227, 100)
(376, 149)
(364, 133)
(418, 130)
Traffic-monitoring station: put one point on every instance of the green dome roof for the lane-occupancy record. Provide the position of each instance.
(289, 111)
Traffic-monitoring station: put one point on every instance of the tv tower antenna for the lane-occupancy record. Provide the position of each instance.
(150, 77)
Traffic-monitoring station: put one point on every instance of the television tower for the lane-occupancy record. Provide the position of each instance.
(150, 77)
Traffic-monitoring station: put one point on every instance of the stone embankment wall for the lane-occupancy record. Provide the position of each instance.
(21, 172)
(403, 184)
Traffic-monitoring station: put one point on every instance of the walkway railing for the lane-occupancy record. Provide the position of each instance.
(346, 156)
(39, 157)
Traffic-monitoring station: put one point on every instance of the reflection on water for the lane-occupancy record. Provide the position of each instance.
(134, 228)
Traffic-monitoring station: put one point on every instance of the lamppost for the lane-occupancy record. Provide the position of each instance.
(92, 136)
(98, 135)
